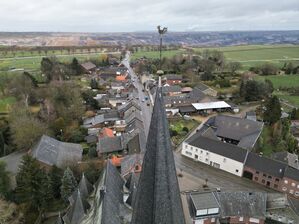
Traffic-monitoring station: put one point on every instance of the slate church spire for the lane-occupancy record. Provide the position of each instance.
(158, 198)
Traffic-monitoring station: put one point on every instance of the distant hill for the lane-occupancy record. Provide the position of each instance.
(150, 38)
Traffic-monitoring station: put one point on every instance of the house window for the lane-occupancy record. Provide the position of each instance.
(269, 177)
(286, 181)
(207, 153)
(201, 151)
(196, 156)
(224, 160)
(277, 180)
(195, 150)
(264, 175)
(293, 185)
(263, 181)
(284, 189)
(257, 172)
(189, 153)
(191, 148)
(237, 171)
(291, 191)
(207, 160)
(256, 178)
(186, 146)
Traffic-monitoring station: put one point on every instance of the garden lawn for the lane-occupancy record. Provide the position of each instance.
(178, 126)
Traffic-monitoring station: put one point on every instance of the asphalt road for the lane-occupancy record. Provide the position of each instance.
(146, 110)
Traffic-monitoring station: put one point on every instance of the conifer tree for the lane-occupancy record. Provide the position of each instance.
(56, 176)
(273, 110)
(4, 180)
(68, 184)
(33, 184)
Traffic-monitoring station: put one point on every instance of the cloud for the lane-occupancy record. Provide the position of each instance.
(144, 15)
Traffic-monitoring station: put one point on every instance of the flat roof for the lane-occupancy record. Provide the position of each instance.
(211, 105)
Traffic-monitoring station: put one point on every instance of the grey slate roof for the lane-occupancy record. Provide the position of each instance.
(108, 206)
(289, 158)
(131, 103)
(265, 165)
(128, 163)
(108, 145)
(89, 122)
(132, 116)
(246, 204)
(53, 152)
(158, 197)
(88, 66)
(243, 130)
(202, 86)
(77, 211)
(171, 89)
(132, 184)
(112, 115)
(187, 109)
(227, 150)
(204, 200)
(91, 139)
(84, 187)
(292, 173)
(173, 77)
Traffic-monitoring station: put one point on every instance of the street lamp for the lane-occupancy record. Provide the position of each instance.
(161, 31)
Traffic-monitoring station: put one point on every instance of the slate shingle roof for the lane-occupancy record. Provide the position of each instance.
(246, 204)
(158, 197)
(292, 173)
(225, 149)
(265, 165)
(77, 210)
(84, 187)
(128, 163)
(289, 158)
(173, 77)
(107, 144)
(53, 152)
(108, 206)
(88, 66)
(243, 130)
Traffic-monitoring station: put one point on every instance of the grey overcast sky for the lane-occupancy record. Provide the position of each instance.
(144, 15)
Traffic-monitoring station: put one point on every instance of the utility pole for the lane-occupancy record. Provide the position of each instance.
(161, 31)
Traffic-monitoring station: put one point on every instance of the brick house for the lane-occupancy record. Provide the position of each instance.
(273, 174)
(173, 79)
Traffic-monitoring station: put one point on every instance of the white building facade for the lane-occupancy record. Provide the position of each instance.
(213, 159)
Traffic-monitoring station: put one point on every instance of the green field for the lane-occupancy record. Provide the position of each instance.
(155, 54)
(284, 81)
(8, 53)
(252, 55)
(30, 64)
(280, 81)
